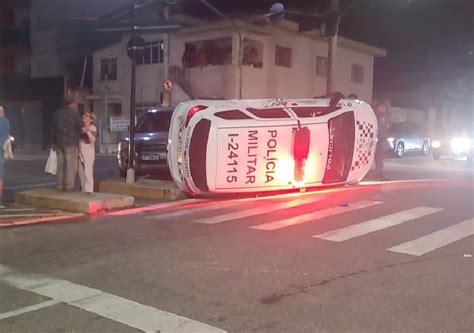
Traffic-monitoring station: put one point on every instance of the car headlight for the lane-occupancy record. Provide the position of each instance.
(460, 144)
(390, 140)
(436, 144)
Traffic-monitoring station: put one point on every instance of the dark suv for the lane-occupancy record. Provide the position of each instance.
(407, 136)
(151, 139)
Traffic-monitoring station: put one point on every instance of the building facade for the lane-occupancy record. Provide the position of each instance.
(277, 62)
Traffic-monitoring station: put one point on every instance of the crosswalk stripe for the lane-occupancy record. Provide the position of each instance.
(283, 223)
(377, 224)
(181, 213)
(436, 240)
(265, 208)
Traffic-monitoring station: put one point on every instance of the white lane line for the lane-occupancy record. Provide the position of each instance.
(315, 216)
(436, 240)
(155, 207)
(265, 208)
(210, 207)
(6, 224)
(28, 309)
(127, 312)
(7, 216)
(380, 223)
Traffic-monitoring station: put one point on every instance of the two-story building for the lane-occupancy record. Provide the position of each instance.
(277, 62)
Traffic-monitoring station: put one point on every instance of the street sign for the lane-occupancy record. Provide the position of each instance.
(139, 43)
(167, 85)
(119, 124)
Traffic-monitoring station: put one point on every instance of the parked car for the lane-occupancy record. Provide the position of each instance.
(235, 146)
(407, 136)
(454, 144)
(151, 136)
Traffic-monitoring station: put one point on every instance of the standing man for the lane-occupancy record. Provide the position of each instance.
(4, 133)
(67, 125)
(381, 113)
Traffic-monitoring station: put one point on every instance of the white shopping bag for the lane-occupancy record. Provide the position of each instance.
(52, 163)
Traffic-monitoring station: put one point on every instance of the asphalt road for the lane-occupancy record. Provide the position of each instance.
(377, 257)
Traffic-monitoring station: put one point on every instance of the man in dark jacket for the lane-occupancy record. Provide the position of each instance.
(383, 123)
(67, 125)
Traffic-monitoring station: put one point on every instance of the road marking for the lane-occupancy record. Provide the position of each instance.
(12, 223)
(436, 240)
(6, 216)
(265, 208)
(380, 223)
(315, 216)
(28, 309)
(127, 312)
(155, 207)
(210, 207)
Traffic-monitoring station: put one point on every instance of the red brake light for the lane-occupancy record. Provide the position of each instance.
(192, 112)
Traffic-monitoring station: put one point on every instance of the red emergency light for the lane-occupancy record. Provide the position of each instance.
(300, 151)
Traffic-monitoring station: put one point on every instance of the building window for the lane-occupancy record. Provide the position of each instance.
(283, 56)
(211, 52)
(153, 54)
(108, 69)
(357, 75)
(321, 66)
(253, 53)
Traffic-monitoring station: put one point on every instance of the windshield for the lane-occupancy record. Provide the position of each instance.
(154, 122)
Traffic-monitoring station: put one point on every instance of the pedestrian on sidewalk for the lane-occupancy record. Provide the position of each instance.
(382, 119)
(67, 126)
(4, 133)
(87, 153)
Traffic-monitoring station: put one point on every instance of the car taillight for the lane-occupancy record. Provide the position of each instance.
(301, 151)
(192, 112)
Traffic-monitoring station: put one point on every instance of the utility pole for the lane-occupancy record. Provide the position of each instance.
(166, 56)
(131, 146)
(332, 54)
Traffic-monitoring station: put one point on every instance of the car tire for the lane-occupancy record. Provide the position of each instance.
(400, 150)
(425, 149)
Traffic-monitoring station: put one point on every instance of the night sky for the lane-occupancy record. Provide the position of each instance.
(420, 36)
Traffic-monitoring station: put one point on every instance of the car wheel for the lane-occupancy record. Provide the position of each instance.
(400, 150)
(425, 149)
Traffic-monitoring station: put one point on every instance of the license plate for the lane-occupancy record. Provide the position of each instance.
(153, 157)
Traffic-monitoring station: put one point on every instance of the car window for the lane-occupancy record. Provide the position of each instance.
(154, 122)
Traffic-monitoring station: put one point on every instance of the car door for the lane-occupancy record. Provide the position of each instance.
(410, 137)
(419, 136)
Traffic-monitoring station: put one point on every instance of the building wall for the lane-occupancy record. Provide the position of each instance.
(271, 81)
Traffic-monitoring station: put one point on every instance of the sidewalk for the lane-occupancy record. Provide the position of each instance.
(48, 198)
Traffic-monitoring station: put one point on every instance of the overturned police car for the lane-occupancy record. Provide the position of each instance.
(237, 146)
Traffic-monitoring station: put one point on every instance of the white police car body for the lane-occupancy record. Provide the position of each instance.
(236, 146)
